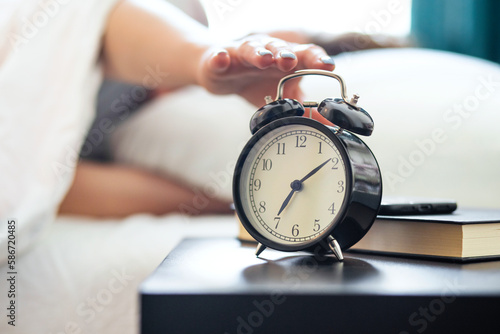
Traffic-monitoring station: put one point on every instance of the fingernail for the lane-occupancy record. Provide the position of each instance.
(264, 52)
(327, 60)
(288, 55)
(221, 52)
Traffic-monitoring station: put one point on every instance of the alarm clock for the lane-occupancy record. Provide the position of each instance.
(301, 185)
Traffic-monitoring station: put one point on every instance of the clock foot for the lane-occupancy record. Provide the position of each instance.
(335, 247)
(260, 249)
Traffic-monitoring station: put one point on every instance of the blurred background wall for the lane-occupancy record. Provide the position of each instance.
(470, 27)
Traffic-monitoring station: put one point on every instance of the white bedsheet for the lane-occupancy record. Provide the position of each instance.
(49, 77)
(82, 277)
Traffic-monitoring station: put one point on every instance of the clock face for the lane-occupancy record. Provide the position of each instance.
(293, 183)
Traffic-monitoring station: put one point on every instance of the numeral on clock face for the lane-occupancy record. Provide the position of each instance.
(267, 164)
(301, 141)
(281, 148)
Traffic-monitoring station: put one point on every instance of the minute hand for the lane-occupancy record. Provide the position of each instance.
(314, 171)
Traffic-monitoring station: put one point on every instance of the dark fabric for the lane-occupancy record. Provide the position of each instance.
(116, 102)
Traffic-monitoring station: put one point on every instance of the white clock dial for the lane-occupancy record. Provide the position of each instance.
(293, 184)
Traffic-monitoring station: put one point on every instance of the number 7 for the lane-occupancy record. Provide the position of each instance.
(277, 220)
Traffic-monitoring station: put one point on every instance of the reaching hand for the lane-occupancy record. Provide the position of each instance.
(140, 34)
(253, 66)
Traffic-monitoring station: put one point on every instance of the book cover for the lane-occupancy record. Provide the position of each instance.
(464, 235)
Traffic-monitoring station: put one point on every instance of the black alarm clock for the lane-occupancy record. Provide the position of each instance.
(301, 185)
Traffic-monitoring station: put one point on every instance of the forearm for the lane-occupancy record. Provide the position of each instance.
(107, 190)
(144, 36)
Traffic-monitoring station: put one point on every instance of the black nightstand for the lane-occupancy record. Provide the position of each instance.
(219, 286)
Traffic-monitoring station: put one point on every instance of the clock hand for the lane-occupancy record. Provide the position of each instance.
(296, 185)
(287, 199)
(314, 171)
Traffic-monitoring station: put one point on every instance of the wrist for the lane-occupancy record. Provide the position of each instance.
(200, 55)
(184, 70)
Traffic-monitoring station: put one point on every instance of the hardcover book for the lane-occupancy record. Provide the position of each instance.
(464, 235)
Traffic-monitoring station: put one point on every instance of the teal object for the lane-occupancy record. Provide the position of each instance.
(470, 27)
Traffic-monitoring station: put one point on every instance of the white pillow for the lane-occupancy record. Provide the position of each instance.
(424, 147)
(189, 135)
(424, 144)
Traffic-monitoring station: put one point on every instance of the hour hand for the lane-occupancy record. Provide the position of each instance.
(296, 185)
(287, 200)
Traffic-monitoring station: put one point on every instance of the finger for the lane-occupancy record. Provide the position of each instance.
(284, 56)
(313, 56)
(219, 61)
(252, 53)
